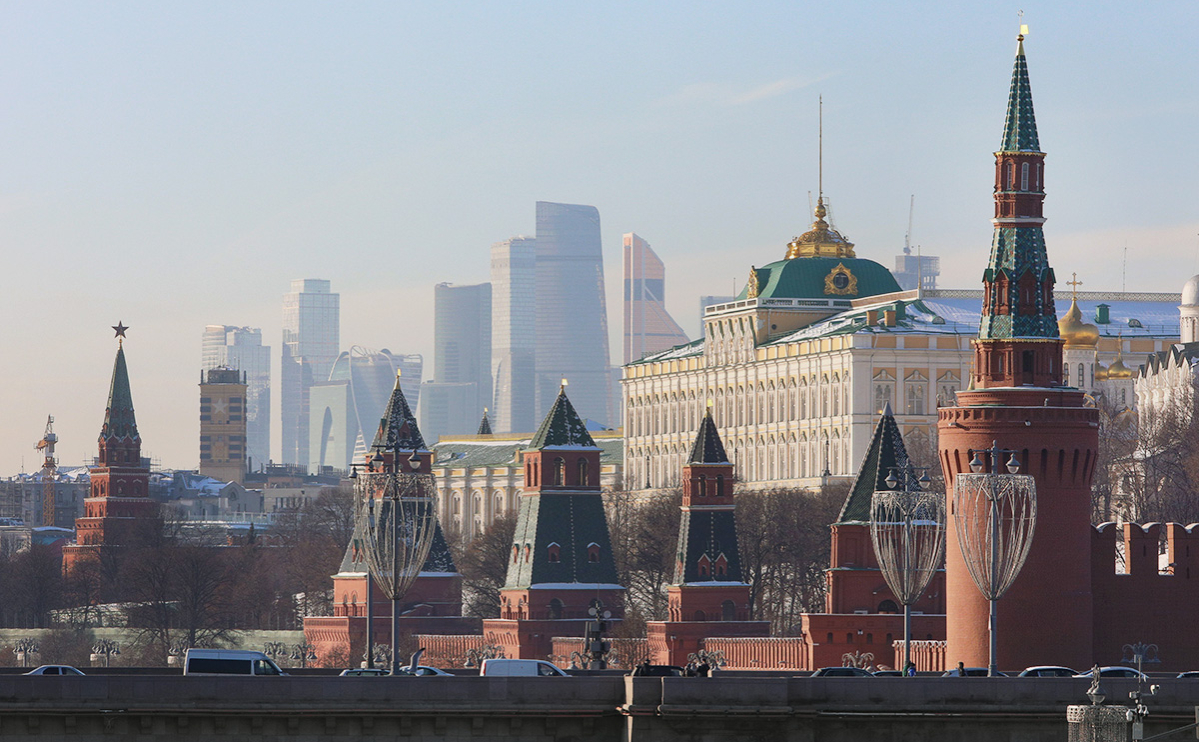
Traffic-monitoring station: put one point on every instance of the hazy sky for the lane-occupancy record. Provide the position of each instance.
(175, 164)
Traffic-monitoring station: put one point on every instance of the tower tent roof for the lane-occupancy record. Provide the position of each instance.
(484, 424)
(562, 427)
(1020, 126)
(398, 430)
(119, 421)
(707, 449)
(886, 450)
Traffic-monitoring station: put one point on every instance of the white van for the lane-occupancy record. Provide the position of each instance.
(522, 668)
(228, 662)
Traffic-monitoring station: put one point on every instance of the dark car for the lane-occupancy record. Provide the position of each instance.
(657, 671)
(841, 672)
(888, 673)
(971, 672)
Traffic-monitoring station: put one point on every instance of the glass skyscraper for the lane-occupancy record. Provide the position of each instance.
(453, 400)
(648, 327)
(513, 334)
(311, 337)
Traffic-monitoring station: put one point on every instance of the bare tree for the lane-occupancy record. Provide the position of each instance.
(644, 534)
(483, 564)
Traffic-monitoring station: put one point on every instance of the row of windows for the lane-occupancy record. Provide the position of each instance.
(772, 459)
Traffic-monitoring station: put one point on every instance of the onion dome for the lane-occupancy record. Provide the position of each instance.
(1190, 292)
(1100, 370)
(1074, 331)
(1118, 370)
(821, 241)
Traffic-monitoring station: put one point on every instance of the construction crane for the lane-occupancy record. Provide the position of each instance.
(49, 471)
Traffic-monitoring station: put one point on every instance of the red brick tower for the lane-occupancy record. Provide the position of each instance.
(1017, 399)
(433, 605)
(708, 596)
(561, 556)
(119, 496)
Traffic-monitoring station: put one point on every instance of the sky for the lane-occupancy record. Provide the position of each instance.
(176, 164)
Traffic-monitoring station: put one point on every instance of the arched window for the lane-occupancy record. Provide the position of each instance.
(515, 553)
(528, 552)
(583, 472)
(728, 611)
(553, 553)
(703, 486)
(888, 606)
(704, 566)
(1024, 177)
(593, 553)
(1082, 374)
(555, 608)
(720, 485)
(701, 616)
(559, 472)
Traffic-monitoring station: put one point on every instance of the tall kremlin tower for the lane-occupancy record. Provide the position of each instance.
(119, 496)
(1017, 399)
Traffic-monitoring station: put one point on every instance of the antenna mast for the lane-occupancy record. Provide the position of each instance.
(820, 146)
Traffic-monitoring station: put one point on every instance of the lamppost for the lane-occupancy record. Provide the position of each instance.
(303, 653)
(907, 528)
(24, 648)
(105, 648)
(275, 650)
(361, 496)
(995, 516)
(397, 538)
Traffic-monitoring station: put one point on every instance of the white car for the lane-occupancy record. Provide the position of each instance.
(54, 670)
(1115, 671)
(1048, 671)
(426, 671)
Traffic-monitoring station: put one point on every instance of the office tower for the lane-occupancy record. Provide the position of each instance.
(311, 322)
(345, 410)
(513, 333)
(241, 348)
(223, 424)
(648, 327)
(572, 320)
(452, 401)
(912, 270)
(707, 301)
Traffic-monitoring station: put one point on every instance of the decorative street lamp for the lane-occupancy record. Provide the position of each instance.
(398, 532)
(105, 648)
(24, 649)
(995, 516)
(275, 650)
(360, 497)
(303, 653)
(907, 528)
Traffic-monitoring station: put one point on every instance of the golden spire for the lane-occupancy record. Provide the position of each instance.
(821, 241)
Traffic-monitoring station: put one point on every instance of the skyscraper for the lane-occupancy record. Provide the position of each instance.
(241, 348)
(572, 320)
(648, 327)
(311, 326)
(453, 400)
(513, 333)
(223, 425)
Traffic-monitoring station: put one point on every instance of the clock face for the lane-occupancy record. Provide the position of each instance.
(841, 281)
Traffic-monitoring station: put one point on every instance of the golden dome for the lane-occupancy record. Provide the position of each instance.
(1100, 372)
(1118, 370)
(1074, 331)
(820, 241)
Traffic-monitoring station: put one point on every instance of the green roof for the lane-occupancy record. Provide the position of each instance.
(573, 522)
(562, 427)
(707, 448)
(804, 278)
(1020, 125)
(471, 454)
(398, 430)
(119, 421)
(886, 450)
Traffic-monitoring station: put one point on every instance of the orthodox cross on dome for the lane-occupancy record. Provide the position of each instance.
(1073, 283)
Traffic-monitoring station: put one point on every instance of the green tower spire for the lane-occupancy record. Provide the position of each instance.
(1020, 126)
(119, 421)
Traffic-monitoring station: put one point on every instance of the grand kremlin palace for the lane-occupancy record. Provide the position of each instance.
(798, 367)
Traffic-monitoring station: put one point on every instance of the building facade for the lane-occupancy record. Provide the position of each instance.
(513, 334)
(648, 327)
(311, 343)
(571, 314)
(241, 348)
(223, 425)
(454, 399)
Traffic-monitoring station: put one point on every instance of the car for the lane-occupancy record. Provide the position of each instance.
(520, 668)
(425, 671)
(200, 661)
(364, 672)
(1047, 671)
(841, 672)
(972, 672)
(646, 670)
(54, 670)
(1189, 674)
(1115, 671)
(888, 673)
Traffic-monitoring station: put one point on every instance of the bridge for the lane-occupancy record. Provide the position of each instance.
(597, 707)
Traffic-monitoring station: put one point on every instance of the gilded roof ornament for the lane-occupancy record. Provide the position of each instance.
(752, 288)
(821, 241)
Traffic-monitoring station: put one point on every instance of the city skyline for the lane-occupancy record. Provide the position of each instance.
(131, 177)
